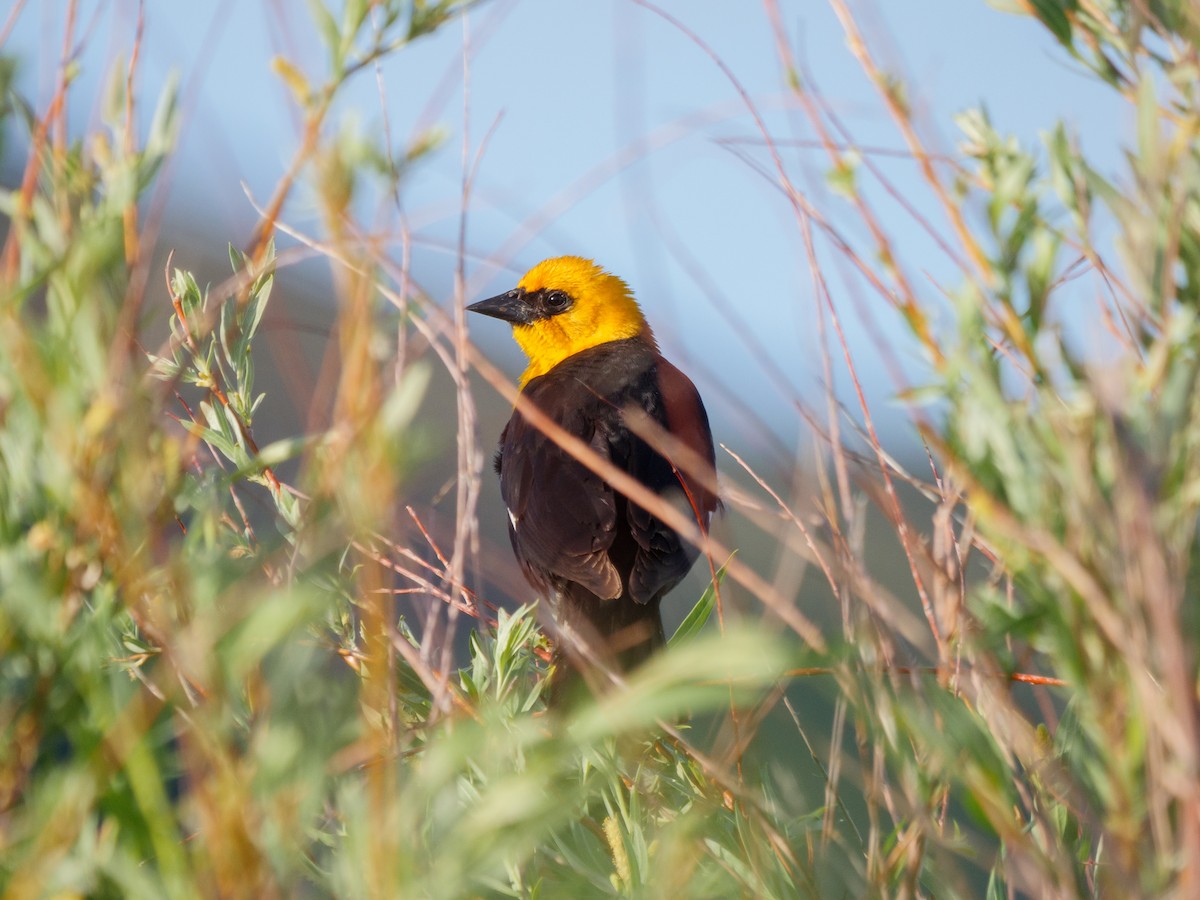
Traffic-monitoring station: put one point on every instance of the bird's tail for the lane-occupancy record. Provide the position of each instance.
(596, 635)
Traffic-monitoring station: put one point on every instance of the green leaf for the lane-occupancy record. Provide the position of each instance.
(1053, 14)
(328, 27)
(696, 676)
(112, 109)
(353, 14)
(164, 126)
(1148, 133)
(693, 623)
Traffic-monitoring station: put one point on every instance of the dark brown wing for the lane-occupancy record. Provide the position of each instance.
(561, 516)
(663, 558)
(568, 525)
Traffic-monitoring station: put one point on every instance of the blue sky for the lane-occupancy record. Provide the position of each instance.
(566, 89)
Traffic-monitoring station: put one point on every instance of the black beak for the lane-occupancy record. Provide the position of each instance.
(510, 306)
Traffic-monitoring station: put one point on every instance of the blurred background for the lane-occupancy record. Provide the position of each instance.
(607, 130)
(741, 169)
(621, 131)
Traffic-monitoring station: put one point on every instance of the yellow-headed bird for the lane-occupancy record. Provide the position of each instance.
(603, 561)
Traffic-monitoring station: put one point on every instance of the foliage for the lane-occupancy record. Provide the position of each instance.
(212, 681)
(1067, 471)
(200, 696)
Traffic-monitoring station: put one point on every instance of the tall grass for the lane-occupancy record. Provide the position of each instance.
(228, 667)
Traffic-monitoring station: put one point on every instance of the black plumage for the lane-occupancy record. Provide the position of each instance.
(605, 562)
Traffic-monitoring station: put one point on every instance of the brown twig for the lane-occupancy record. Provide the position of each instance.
(1020, 677)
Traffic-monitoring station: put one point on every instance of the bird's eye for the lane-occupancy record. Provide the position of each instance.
(557, 300)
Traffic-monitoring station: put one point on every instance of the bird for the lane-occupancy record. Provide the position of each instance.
(603, 562)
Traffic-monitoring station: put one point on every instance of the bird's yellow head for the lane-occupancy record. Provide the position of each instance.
(563, 306)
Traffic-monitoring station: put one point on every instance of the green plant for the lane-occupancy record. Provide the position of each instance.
(212, 681)
(207, 686)
(1062, 519)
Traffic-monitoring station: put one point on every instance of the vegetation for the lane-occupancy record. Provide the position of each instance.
(218, 680)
